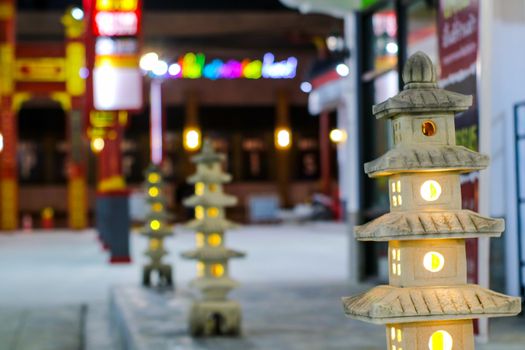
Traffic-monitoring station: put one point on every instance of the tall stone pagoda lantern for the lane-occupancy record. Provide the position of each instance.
(156, 229)
(428, 304)
(213, 314)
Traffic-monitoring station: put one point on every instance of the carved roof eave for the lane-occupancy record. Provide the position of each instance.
(429, 100)
(210, 225)
(211, 200)
(389, 304)
(415, 225)
(209, 177)
(212, 254)
(164, 232)
(426, 158)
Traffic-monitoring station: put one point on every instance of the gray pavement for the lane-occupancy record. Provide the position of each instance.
(291, 282)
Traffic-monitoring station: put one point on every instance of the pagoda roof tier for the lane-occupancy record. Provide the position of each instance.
(210, 225)
(224, 282)
(415, 225)
(211, 200)
(207, 154)
(388, 304)
(158, 215)
(207, 176)
(425, 158)
(421, 93)
(212, 254)
(159, 253)
(156, 234)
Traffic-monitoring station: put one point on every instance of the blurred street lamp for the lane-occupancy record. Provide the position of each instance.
(342, 69)
(191, 138)
(337, 136)
(283, 138)
(148, 61)
(306, 87)
(97, 144)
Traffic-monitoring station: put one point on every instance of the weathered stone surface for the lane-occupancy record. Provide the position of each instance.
(211, 200)
(417, 225)
(421, 93)
(421, 158)
(388, 304)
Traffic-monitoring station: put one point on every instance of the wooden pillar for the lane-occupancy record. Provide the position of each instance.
(324, 148)
(283, 151)
(76, 89)
(8, 124)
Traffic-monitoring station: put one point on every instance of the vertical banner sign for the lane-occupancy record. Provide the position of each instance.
(458, 38)
(115, 26)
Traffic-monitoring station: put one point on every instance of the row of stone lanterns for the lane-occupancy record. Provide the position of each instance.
(214, 314)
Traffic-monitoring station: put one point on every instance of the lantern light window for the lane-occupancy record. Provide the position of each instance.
(433, 261)
(428, 128)
(440, 340)
(430, 190)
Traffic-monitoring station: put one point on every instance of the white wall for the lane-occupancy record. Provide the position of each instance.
(508, 88)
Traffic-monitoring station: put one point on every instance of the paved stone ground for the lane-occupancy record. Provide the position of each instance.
(46, 278)
(48, 328)
(280, 317)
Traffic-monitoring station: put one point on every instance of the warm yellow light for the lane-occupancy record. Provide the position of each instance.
(156, 207)
(191, 139)
(440, 340)
(153, 191)
(399, 200)
(338, 135)
(214, 239)
(154, 244)
(200, 269)
(433, 261)
(283, 138)
(392, 333)
(213, 212)
(217, 270)
(153, 178)
(154, 224)
(199, 212)
(212, 187)
(398, 184)
(394, 200)
(97, 144)
(199, 239)
(199, 188)
(393, 187)
(1, 142)
(399, 336)
(430, 190)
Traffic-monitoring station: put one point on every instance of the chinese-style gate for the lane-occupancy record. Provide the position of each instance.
(39, 70)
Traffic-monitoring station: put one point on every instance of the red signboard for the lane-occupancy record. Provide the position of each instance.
(116, 18)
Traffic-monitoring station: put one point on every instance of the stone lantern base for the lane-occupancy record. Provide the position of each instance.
(215, 318)
(164, 274)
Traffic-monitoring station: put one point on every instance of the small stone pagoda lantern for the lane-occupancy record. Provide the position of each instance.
(156, 229)
(213, 314)
(428, 303)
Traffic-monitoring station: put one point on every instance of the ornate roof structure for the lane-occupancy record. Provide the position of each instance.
(218, 254)
(418, 158)
(209, 225)
(421, 93)
(387, 304)
(211, 200)
(415, 225)
(207, 154)
(207, 176)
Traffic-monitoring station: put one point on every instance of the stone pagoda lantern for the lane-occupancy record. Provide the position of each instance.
(156, 229)
(213, 314)
(428, 303)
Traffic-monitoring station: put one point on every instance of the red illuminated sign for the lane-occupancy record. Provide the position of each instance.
(116, 18)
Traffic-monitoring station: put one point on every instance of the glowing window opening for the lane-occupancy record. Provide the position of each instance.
(213, 212)
(214, 239)
(199, 188)
(430, 190)
(154, 225)
(433, 261)
(153, 191)
(428, 128)
(200, 269)
(153, 177)
(440, 340)
(217, 270)
(199, 239)
(394, 200)
(199, 212)
(212, 187)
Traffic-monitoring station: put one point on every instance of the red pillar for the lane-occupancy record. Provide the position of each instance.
(324, 148)
(8, 125)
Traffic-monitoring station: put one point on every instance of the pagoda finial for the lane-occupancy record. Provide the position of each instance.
(419, 72)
